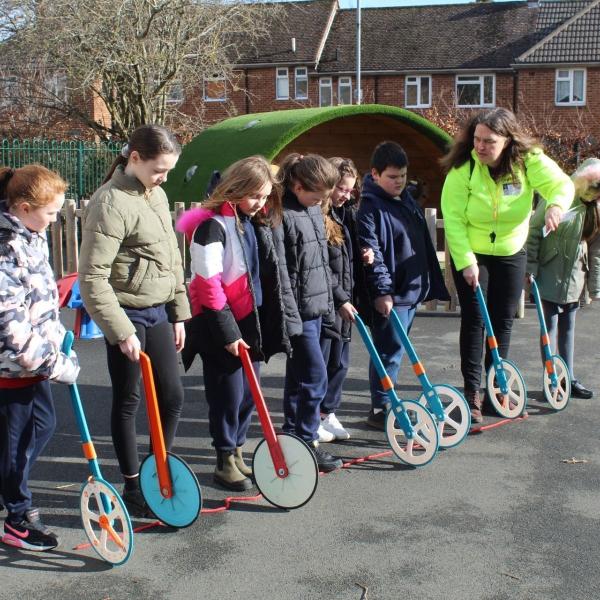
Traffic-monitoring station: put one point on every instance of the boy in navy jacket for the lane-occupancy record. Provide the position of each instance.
(405, 270)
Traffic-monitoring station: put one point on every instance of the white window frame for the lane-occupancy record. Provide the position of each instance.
(298, 77)
(417, 80)
(176, 94)
(476, 79)
(281, 74)
(344, 82)
(571, 79)
(213, 78)
(57, 87)
(325, 82)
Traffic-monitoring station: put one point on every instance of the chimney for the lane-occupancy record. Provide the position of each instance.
(294, 45)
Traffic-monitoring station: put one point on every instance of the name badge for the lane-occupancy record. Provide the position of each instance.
(511, 189)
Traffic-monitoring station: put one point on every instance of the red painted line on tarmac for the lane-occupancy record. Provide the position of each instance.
(227, 502)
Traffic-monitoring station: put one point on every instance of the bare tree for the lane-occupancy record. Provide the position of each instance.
(138, 58)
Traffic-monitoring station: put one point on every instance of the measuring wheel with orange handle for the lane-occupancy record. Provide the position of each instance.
(105, 519)
(168, 485)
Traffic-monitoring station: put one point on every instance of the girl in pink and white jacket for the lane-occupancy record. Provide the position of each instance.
(236, 250)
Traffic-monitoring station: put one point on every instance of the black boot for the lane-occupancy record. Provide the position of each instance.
(579, 391)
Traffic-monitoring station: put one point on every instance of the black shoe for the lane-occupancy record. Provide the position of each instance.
(136, 505)
(376, 420)
(325, 461)
(578, 391)
(29, 533)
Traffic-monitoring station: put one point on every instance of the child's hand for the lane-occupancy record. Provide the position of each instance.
(131, 347)
(179, 333)
(384, 305)
(347, 312)
(234, 347)
(367, 256)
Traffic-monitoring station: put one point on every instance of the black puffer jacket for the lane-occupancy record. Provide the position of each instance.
(307, 259)
(267, 330)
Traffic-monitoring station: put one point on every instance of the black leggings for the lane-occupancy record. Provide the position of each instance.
(501, 279)
(125, 376)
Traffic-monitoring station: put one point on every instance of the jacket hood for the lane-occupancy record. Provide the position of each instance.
(10, 224)
(587, 175)
(372, 190)
(191, 219)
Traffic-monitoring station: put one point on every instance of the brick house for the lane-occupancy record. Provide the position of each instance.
(541, 59)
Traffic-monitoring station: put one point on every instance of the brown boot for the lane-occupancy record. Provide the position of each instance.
(240, 464)
(228, 475)
(474, 402)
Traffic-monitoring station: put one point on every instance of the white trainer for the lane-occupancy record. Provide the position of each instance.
(331, 424)
(324, 435)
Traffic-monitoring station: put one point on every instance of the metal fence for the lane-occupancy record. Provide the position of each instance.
(82, 164)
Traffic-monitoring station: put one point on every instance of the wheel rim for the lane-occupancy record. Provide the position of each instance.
(107, 528)
(183, 507)
(513, 404)
(457, 422)
(558, 397)
(298, 487)
(420, 450)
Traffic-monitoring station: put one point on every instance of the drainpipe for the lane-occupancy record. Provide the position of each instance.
(358, 33)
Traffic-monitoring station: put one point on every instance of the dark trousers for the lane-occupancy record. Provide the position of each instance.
(125, 377)
(230, 404)
(501, 279)
(336, 354)
(305, 383)
(27, 422)
(560, 321)
(390, 350)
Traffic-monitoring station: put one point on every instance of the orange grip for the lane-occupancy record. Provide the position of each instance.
(545, 339)
(88, 450)
(549, 367)
(492, 343)
(386, 383)
(418, 368)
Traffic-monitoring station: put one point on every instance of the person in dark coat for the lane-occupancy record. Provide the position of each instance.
(405, 269)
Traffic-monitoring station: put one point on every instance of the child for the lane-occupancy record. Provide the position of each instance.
(560, 260)
(308, 181)
(405, 269)
(31, 337)
(133, 287)
(234, 257)
(340, 228)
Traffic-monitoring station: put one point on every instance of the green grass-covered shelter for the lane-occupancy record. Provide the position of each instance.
(348, 131)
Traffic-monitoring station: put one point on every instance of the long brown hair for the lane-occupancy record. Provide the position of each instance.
(149, 141)
(333, 230)
(34, 184)
(313, 172)
(243, 179)
(502, 122)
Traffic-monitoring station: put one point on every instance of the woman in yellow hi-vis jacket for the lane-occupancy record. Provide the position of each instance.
(493, 170)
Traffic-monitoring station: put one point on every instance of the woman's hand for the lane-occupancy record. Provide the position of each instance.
(347, 311)
(130, 347)
(179, 333)
(234, 347)
(471, 275)
(384, 305)
(552, 217)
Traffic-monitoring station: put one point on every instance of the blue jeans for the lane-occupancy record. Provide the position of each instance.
(390, 349)
(27, 422)
(305, 383)
(336, 354)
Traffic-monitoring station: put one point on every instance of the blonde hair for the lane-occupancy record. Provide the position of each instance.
(313, 172)
(34, 184)
(243, 179)
(333, 230)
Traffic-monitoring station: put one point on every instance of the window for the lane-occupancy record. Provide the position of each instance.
(215, 89)
(475, 90)
(418, 92)
(570, 87)
(282, 83)
(345, 90)
(9, 89)
(325, 92)
(175, 93)
(301, 83)
(57, 87)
